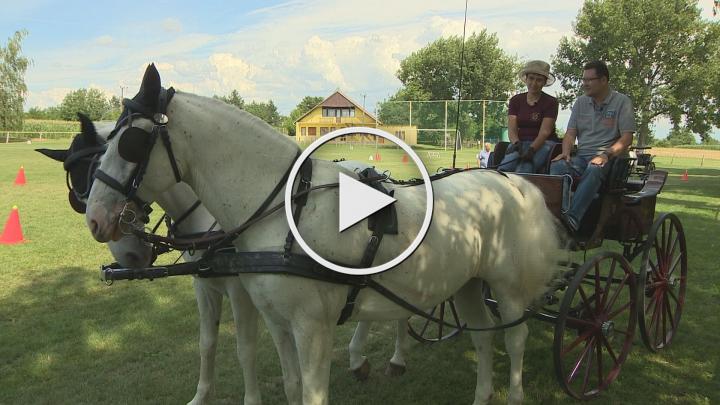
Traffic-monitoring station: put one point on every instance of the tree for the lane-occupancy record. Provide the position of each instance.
(114, 105)
(433, 73)
(91, 102)
(265, 111)
(662, 54)
(680, 136)
(305, 105)
(12, 82)
(233, 98)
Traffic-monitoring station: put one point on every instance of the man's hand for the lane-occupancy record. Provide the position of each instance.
(600, 160)
(562, 156)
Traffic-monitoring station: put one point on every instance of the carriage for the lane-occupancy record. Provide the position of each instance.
(596, 303)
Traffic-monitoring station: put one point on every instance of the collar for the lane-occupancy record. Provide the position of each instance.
(606, 101)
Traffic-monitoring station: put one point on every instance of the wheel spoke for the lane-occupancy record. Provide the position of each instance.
(673, 266)
(427, 322)
(672, 294)
(588, 366)
(606, 292)
(622, 332)
(657, 315)
(442, 319)
(655, 271)
(617, 293)
(598, 350)
(651, 301)
(455, 315)
(611, 352)
(598, 292)
(575, 368)
(586, 301)
(669, 238)
(619, 310)
(663, 237)
(671, 250)
(671, 318)
(577, 341)
(664, 321)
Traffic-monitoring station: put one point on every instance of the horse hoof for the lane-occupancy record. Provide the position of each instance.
(394, 370)
(363, 372)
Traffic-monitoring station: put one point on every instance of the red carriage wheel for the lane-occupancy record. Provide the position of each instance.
(663, 273)
(595, 325)
(426, 331)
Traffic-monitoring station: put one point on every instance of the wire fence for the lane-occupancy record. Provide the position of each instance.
(24, 136)
(438, 122)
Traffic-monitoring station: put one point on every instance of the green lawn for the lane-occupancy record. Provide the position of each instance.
(69, 339)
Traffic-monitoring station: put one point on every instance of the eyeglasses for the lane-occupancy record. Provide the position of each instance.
(588, 79)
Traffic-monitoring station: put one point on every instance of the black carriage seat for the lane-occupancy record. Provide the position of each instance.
(652, 187)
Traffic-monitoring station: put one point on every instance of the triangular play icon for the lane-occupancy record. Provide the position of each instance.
(358, 201)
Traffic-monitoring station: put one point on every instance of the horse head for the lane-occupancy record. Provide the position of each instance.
(124, 191)
(80, 162)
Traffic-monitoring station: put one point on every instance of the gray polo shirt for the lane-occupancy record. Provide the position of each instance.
(599, 126)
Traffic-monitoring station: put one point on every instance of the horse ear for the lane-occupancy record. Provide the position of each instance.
(56, 154)
(87, 128)
(150, 87)
(133, 145)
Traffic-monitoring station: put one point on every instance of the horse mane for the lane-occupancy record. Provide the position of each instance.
(231, 113)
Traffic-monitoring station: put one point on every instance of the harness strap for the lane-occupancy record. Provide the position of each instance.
(173, 228)
(305, 183)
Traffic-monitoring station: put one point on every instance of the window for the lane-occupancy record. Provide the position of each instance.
(400, 134)
(312, 131)
(303, 131)
(338, 112)
(323, 130)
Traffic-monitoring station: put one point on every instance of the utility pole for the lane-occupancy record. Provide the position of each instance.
(122, 91)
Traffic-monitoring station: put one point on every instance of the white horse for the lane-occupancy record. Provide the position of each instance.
(232, 160)
(132, 252)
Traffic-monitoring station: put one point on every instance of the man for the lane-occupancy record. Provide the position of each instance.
(603, 123)
(483, 156)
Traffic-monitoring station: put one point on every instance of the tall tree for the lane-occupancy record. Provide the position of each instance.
(12, 82)
(433, 73)
(233, 98)
(662, 54)
(91, 102)
(305, 105)
(266, 111)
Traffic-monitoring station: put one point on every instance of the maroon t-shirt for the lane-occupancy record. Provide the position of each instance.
(529, 118)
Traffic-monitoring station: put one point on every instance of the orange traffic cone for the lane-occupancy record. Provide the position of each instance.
(13, 232)
(377, 156)
(684, 176)
(20, 178)
(405, 159)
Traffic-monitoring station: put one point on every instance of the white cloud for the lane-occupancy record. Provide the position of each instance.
(233, 72)
(103, 40)
(322, 57)
(172, 25)
(47, 98)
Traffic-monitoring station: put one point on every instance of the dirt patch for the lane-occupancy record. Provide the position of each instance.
(686, 153)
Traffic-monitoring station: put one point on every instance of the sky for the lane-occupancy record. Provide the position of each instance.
(279, 50)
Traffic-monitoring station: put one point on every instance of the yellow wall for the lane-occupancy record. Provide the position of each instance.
(322, 124)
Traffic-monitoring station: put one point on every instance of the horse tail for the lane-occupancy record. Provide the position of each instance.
(537, 248)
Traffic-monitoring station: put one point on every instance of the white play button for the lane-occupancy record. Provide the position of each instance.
(358, 201)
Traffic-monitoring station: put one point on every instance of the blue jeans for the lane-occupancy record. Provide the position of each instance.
(512, 163)
(591, 178)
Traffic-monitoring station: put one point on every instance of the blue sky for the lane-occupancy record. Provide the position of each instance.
(279, 50)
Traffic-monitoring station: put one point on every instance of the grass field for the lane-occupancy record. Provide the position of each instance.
(69, 339)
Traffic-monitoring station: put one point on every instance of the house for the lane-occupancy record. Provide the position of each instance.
(339, 111)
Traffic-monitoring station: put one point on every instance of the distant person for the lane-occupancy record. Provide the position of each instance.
(483, 156)
(531, 122)
(603, 122)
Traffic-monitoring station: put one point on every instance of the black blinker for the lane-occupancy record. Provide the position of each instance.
(75, 203)
(133, 145)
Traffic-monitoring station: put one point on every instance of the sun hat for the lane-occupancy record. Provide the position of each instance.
(538, 67)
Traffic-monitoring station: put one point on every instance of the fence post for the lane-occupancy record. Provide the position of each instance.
(702, 160)
(7, 137)
(672, 158)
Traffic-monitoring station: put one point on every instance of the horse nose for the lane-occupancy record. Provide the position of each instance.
(94, 227)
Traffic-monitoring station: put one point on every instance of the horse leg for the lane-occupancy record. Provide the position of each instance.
(287, 351)
(210, 307)
(397, 366)
(246, 317)
(359, 365)
(314, 342)
(472, 309)
(512, 308)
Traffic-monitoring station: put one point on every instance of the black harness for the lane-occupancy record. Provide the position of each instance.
(218, 255)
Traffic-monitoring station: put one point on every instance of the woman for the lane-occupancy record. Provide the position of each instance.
(531, 122)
